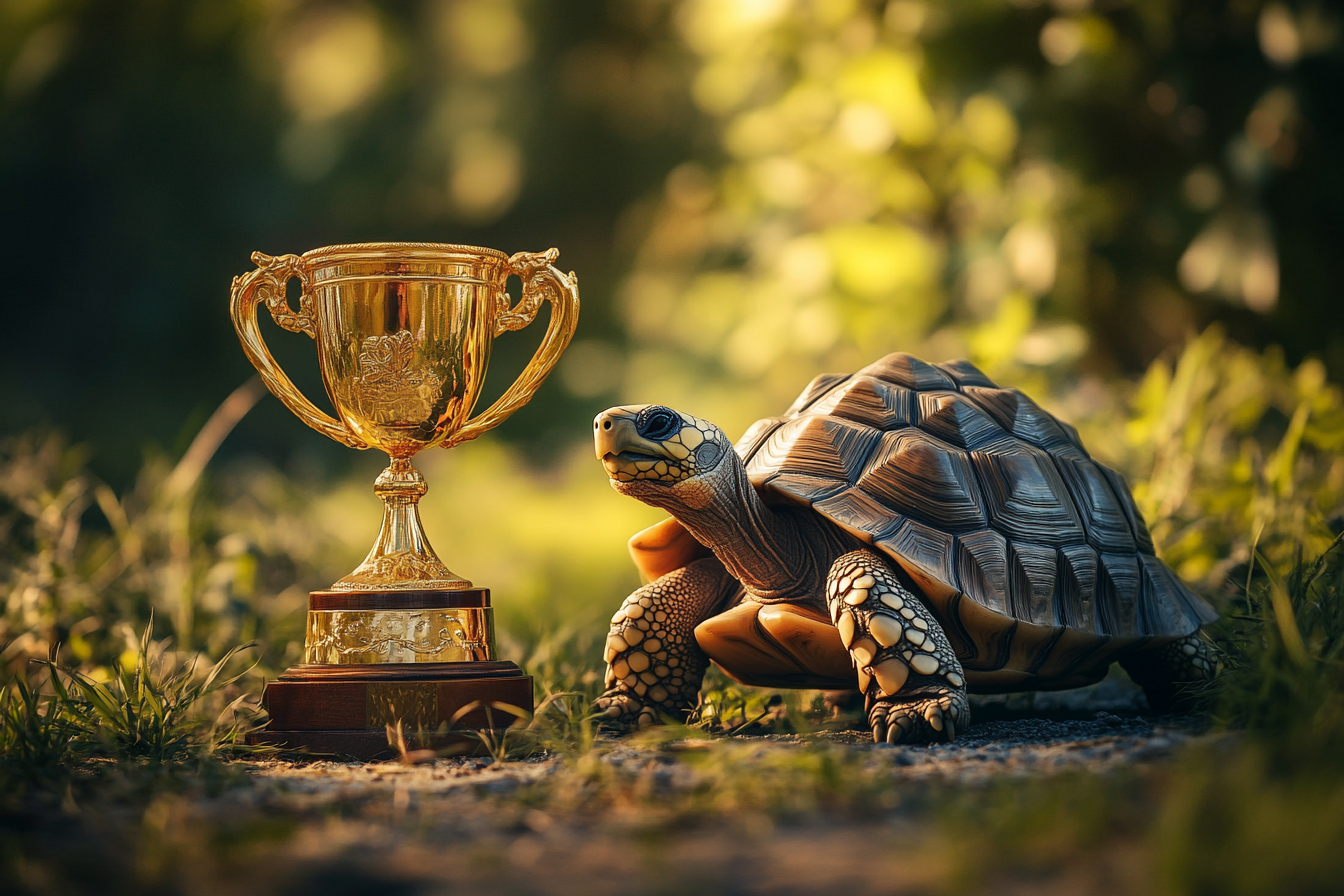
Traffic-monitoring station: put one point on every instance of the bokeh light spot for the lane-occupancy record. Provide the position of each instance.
(1202, 188)
(486, 37)
(990, 127)
(486, 174)
(309, 150)
(335, 61)
(1061, 41)
(1162, 98)
(873, 261)
(890, 81)
(1032, 254)
(39, 56)
(1233, 257)
(865, 127)
(1280, 40)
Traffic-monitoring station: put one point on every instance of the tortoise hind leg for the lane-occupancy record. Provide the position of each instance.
(1172, 673)
(655, 665)
(913, 684)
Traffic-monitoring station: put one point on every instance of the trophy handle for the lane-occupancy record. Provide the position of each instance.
(542, 282)
(267, 284)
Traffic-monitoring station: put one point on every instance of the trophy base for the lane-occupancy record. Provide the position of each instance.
(346, 708)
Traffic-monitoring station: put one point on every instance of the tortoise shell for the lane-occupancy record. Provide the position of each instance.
(974, 491)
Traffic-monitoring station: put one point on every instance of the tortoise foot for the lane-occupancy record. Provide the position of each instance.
(1175, 674)
(934, 718)
(914, 684)
(618, 711)
(654, 665)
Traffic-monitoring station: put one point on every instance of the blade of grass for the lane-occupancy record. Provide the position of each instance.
(1284, 616)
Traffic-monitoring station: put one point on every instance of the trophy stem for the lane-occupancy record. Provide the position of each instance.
(401, 559)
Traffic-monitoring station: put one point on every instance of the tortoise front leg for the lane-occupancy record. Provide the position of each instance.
(655, 665)
(911, 679)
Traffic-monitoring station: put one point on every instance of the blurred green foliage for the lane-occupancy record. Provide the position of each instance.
(750, 190)
(1022, 185)
(1228, 448)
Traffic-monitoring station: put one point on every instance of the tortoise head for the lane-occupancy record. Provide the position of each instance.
(657, 454)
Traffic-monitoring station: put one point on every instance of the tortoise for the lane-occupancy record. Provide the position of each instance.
(911, 530)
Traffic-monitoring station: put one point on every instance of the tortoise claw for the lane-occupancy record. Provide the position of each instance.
(919, 720)
(618, 711)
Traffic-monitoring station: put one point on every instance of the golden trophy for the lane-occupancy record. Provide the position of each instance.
(403, 333)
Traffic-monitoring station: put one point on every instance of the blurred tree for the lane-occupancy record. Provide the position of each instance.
(750, 190)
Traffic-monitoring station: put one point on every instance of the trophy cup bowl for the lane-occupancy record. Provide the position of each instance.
(403, 334)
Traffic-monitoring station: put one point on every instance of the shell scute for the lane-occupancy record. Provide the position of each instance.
(953, 419)
(818, 447)
(908, 371)
(1022, 417)
(1118, 593)
(804, 488)
(1167, 604)
(918, 476)
(857, 513)
(1138, 527)
(820, 385)
(1032, 571)
(982, 568)
(869, 400)
(1071, 433)
(756, 435)
(964, 374)
(926, 548)
(1107, 525)
(1076, 592)
(1026, 496)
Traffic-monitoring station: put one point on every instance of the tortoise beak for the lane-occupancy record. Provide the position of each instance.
(614, 432)
(618, 443)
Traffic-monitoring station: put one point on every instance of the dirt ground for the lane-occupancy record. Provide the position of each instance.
(775, 814)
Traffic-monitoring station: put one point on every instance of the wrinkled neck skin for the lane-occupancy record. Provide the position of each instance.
(774, 553)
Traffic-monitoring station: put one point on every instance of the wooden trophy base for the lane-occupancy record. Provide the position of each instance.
(346, 708)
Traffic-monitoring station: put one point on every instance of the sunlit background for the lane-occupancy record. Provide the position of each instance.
(1133, 211)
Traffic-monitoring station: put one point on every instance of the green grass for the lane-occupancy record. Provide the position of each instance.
(38, 725)
(157, 708)
(1261, 809)
(1284, 649)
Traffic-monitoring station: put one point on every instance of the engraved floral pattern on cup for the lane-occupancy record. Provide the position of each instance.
(391, 387)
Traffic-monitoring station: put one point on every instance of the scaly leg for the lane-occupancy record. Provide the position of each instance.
(655, 665)
(1172, 672)
(912, 681)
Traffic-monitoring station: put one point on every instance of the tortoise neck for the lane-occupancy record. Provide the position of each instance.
(761, 548)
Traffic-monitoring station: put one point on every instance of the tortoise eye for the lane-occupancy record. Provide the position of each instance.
(658, 423)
